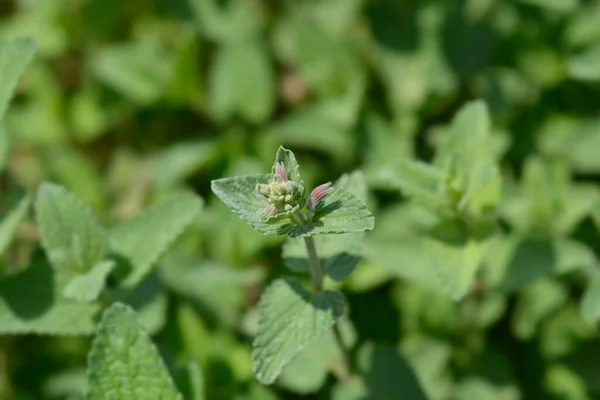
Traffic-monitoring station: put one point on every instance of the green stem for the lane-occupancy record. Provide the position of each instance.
(315, 265)
(316, 274)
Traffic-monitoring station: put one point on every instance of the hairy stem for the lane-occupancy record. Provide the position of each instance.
(316, 274)
(315, 265)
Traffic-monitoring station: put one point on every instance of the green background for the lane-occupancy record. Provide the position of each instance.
(127, 102)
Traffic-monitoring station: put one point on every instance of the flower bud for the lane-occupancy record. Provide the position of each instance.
(280, 172)
(318, 194)
(270, 210)
(264, 189)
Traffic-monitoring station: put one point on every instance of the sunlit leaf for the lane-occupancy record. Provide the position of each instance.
(290, 319)
(124, 363)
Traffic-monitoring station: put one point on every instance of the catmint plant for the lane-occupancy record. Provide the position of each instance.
(291, 317)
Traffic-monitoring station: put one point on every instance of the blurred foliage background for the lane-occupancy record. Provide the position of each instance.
(127, 102)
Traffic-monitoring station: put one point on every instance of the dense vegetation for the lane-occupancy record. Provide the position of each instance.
(469, 129)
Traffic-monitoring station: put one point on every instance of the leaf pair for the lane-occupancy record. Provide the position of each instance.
(339, 212)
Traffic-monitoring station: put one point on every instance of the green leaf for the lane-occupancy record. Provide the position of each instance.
(464, 146)
(475, 387)
(534, 303)
(290, 319)
(14, 57)
(590, 303)
(445, 262)
(422, 182)
(339, 212)
(143, 239)
(70, 234)
(32, 302)
(138, 70)
(240, 195)
(242, 82)
(87, 286)
(179, 161)
(124, 363)
(18, 207)
(585, 66)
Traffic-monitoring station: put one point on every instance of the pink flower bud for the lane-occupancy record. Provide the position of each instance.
(270, 210)
(318, 194)
(280, 171)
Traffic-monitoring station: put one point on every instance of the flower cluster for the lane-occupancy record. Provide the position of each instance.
(282, 194)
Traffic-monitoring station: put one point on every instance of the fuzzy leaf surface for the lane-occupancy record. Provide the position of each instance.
(124, 363)
(290, 319)
(339, 254)
(71, 236)
(143, 239)
(240, 196)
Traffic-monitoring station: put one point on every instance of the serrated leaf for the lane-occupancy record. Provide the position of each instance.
(290, 319)
(143, 239)
(339, 212)
(124, 363)
(14, 57)
(240, 195)
(32, 302)
(71, 236)
(87, 286)
(15, 214)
